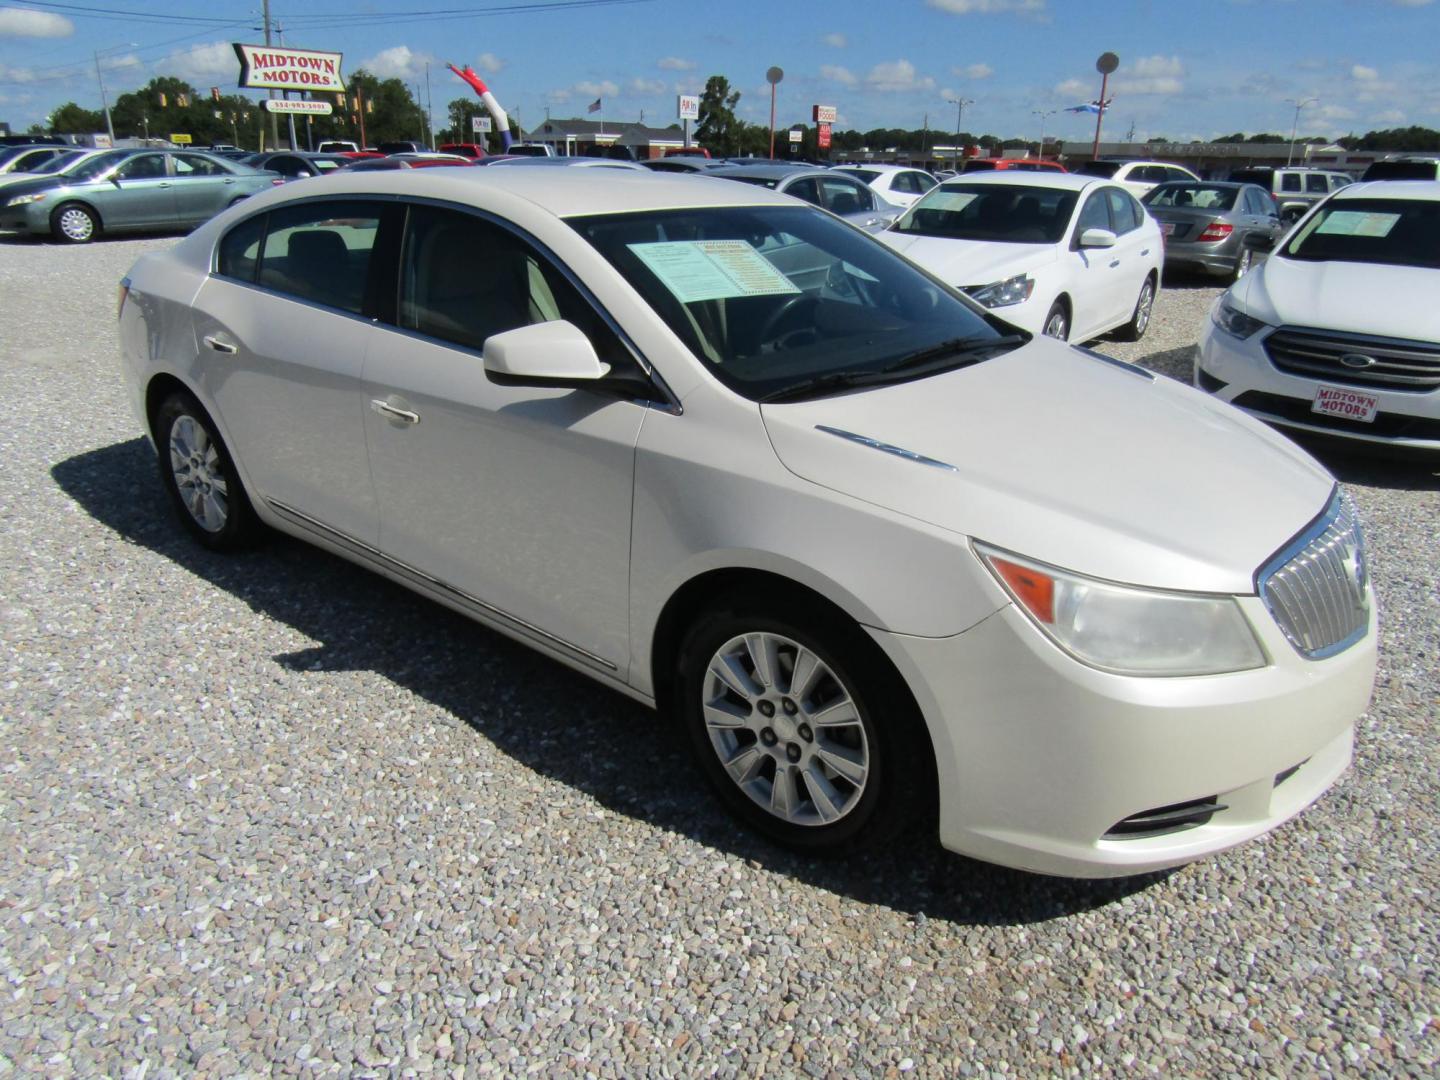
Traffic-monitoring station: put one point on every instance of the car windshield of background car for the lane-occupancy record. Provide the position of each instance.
(1107, 169)
(863, 174)
(1006, 213)
(771, 297)
(1395, 232)
(59, 163)
(1195, 196)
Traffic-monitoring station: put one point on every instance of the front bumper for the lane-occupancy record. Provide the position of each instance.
(1239, 372)
(1039, 756)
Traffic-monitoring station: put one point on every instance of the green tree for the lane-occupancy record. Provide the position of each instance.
(460, 112)
(71, 119)
(718, 130)
(1422, 139)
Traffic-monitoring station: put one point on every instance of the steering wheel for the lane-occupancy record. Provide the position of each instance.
(774, 320)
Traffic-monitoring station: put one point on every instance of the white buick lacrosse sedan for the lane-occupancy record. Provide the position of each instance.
(887, 560)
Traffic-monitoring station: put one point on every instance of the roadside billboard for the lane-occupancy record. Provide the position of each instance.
(269, 67)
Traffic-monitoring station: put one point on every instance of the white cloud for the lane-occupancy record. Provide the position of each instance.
(490, 63)
(1363, 73)
(202, 63)
(603, 89)
(974, 71)
(398, 62)
(837, 74)
(16, 75)
(1389, 116)
(836, 40)
(646, 86)
(897, 76)
(1150, 75)
(988, 7)
(676, 63)
(1076, 88)
(23, 22)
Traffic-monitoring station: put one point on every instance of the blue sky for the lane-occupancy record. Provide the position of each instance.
(1187, 69)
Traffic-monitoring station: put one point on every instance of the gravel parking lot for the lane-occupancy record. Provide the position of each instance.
(273, 814)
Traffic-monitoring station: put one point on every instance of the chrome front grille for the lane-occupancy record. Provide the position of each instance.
(1356, 359)
(1317, 588)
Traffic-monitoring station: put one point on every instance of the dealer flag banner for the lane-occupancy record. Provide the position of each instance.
(268, 67)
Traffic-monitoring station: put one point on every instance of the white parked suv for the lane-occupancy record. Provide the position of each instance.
(1338, 331)
(1137, 176)
(1054, 253)
(898, 185)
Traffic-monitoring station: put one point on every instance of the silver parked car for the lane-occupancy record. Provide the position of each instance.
(129, 190)
(844, 196)
(889, 562)
(1206, 224)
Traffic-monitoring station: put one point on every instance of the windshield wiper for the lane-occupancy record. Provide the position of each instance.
(823, 384)
(963, 347)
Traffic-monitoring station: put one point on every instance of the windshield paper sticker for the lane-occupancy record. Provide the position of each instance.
(712, 269)
(950, 200)
(1358, 223)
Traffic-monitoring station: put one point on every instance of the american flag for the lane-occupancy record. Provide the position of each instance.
(594, 106)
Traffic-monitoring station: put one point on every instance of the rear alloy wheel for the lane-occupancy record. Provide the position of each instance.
(200, 477)
(1242, 263)
(73, 223)
(804, 737)
(1139, 322)
(1057, 323)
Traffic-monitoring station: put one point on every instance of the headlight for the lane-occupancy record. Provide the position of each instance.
(1125, 629)
(1015, 290)
(1234, 321)
(21, 200)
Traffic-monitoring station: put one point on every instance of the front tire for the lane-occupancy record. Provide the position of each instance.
(74, 223)
(1243, 262)
(200, 476)
(1057, 322)
(801, 726)
(1139, 322)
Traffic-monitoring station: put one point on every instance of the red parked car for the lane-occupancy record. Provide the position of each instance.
(1027, 164)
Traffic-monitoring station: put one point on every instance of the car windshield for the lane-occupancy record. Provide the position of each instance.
(59, 163)
(864, 174)
(758, 181)
(1107, 169)
(1008, 213)
(1195, 196)
(1394, 232)
(781, 301)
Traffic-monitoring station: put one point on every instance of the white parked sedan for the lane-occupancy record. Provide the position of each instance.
(881, 556)
(898, 185)
(1337, 333)
(1065, 255)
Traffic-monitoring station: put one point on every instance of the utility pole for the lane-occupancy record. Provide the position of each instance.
(959, 104)
(1294, 124)
(104, 101)
(429, 111)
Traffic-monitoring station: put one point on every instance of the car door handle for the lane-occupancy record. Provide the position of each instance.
(392, 412)
(1115, 264)
(1144, 251)
(228, 180)
(163, 184)
(220, 345)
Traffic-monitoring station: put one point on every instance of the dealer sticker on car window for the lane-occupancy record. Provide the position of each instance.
(712, 269)
(1358, 223)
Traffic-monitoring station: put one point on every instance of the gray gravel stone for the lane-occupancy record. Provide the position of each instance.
(270, 814)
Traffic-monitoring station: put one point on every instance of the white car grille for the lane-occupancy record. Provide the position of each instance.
(1317, 588)
(1356, 359)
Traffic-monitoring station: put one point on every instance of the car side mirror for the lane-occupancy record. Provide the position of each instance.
(543, 354)
(1097, 238)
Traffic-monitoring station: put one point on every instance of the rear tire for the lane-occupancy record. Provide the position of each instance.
(200, 476)
(74, 223)
(1139, 322)
(801, 725)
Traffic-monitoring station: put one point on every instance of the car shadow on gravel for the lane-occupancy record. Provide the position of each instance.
(553, 720)
(1176, 363)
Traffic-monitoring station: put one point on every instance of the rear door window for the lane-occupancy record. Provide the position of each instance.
(843, 196)
(1315, 184)
(320, 252)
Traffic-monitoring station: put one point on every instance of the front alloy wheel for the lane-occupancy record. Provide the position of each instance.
(785, 729)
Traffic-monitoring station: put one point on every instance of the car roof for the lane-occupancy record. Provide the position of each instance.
(1026, 178)
(559, 192)
(777, 171)
(879, 166)
(589, 162)
(1428, 190)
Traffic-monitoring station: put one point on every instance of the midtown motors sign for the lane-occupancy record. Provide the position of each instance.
(265, 67)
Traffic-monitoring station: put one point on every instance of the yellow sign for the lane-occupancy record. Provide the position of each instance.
(181, 140)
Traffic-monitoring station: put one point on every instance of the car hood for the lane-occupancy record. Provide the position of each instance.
(1076, 461)
(32, 183)
(969, 262)
(1357, 298)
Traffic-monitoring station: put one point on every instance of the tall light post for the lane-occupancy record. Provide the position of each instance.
(959, 104)
(1043, 114)
(105, 100)
(1294, 124)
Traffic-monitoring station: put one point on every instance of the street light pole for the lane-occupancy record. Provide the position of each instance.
(959, 104)
(1294, 124)
(104, 101)
(1043, 114)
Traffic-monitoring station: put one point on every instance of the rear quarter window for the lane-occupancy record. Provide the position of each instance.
(240, 249)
